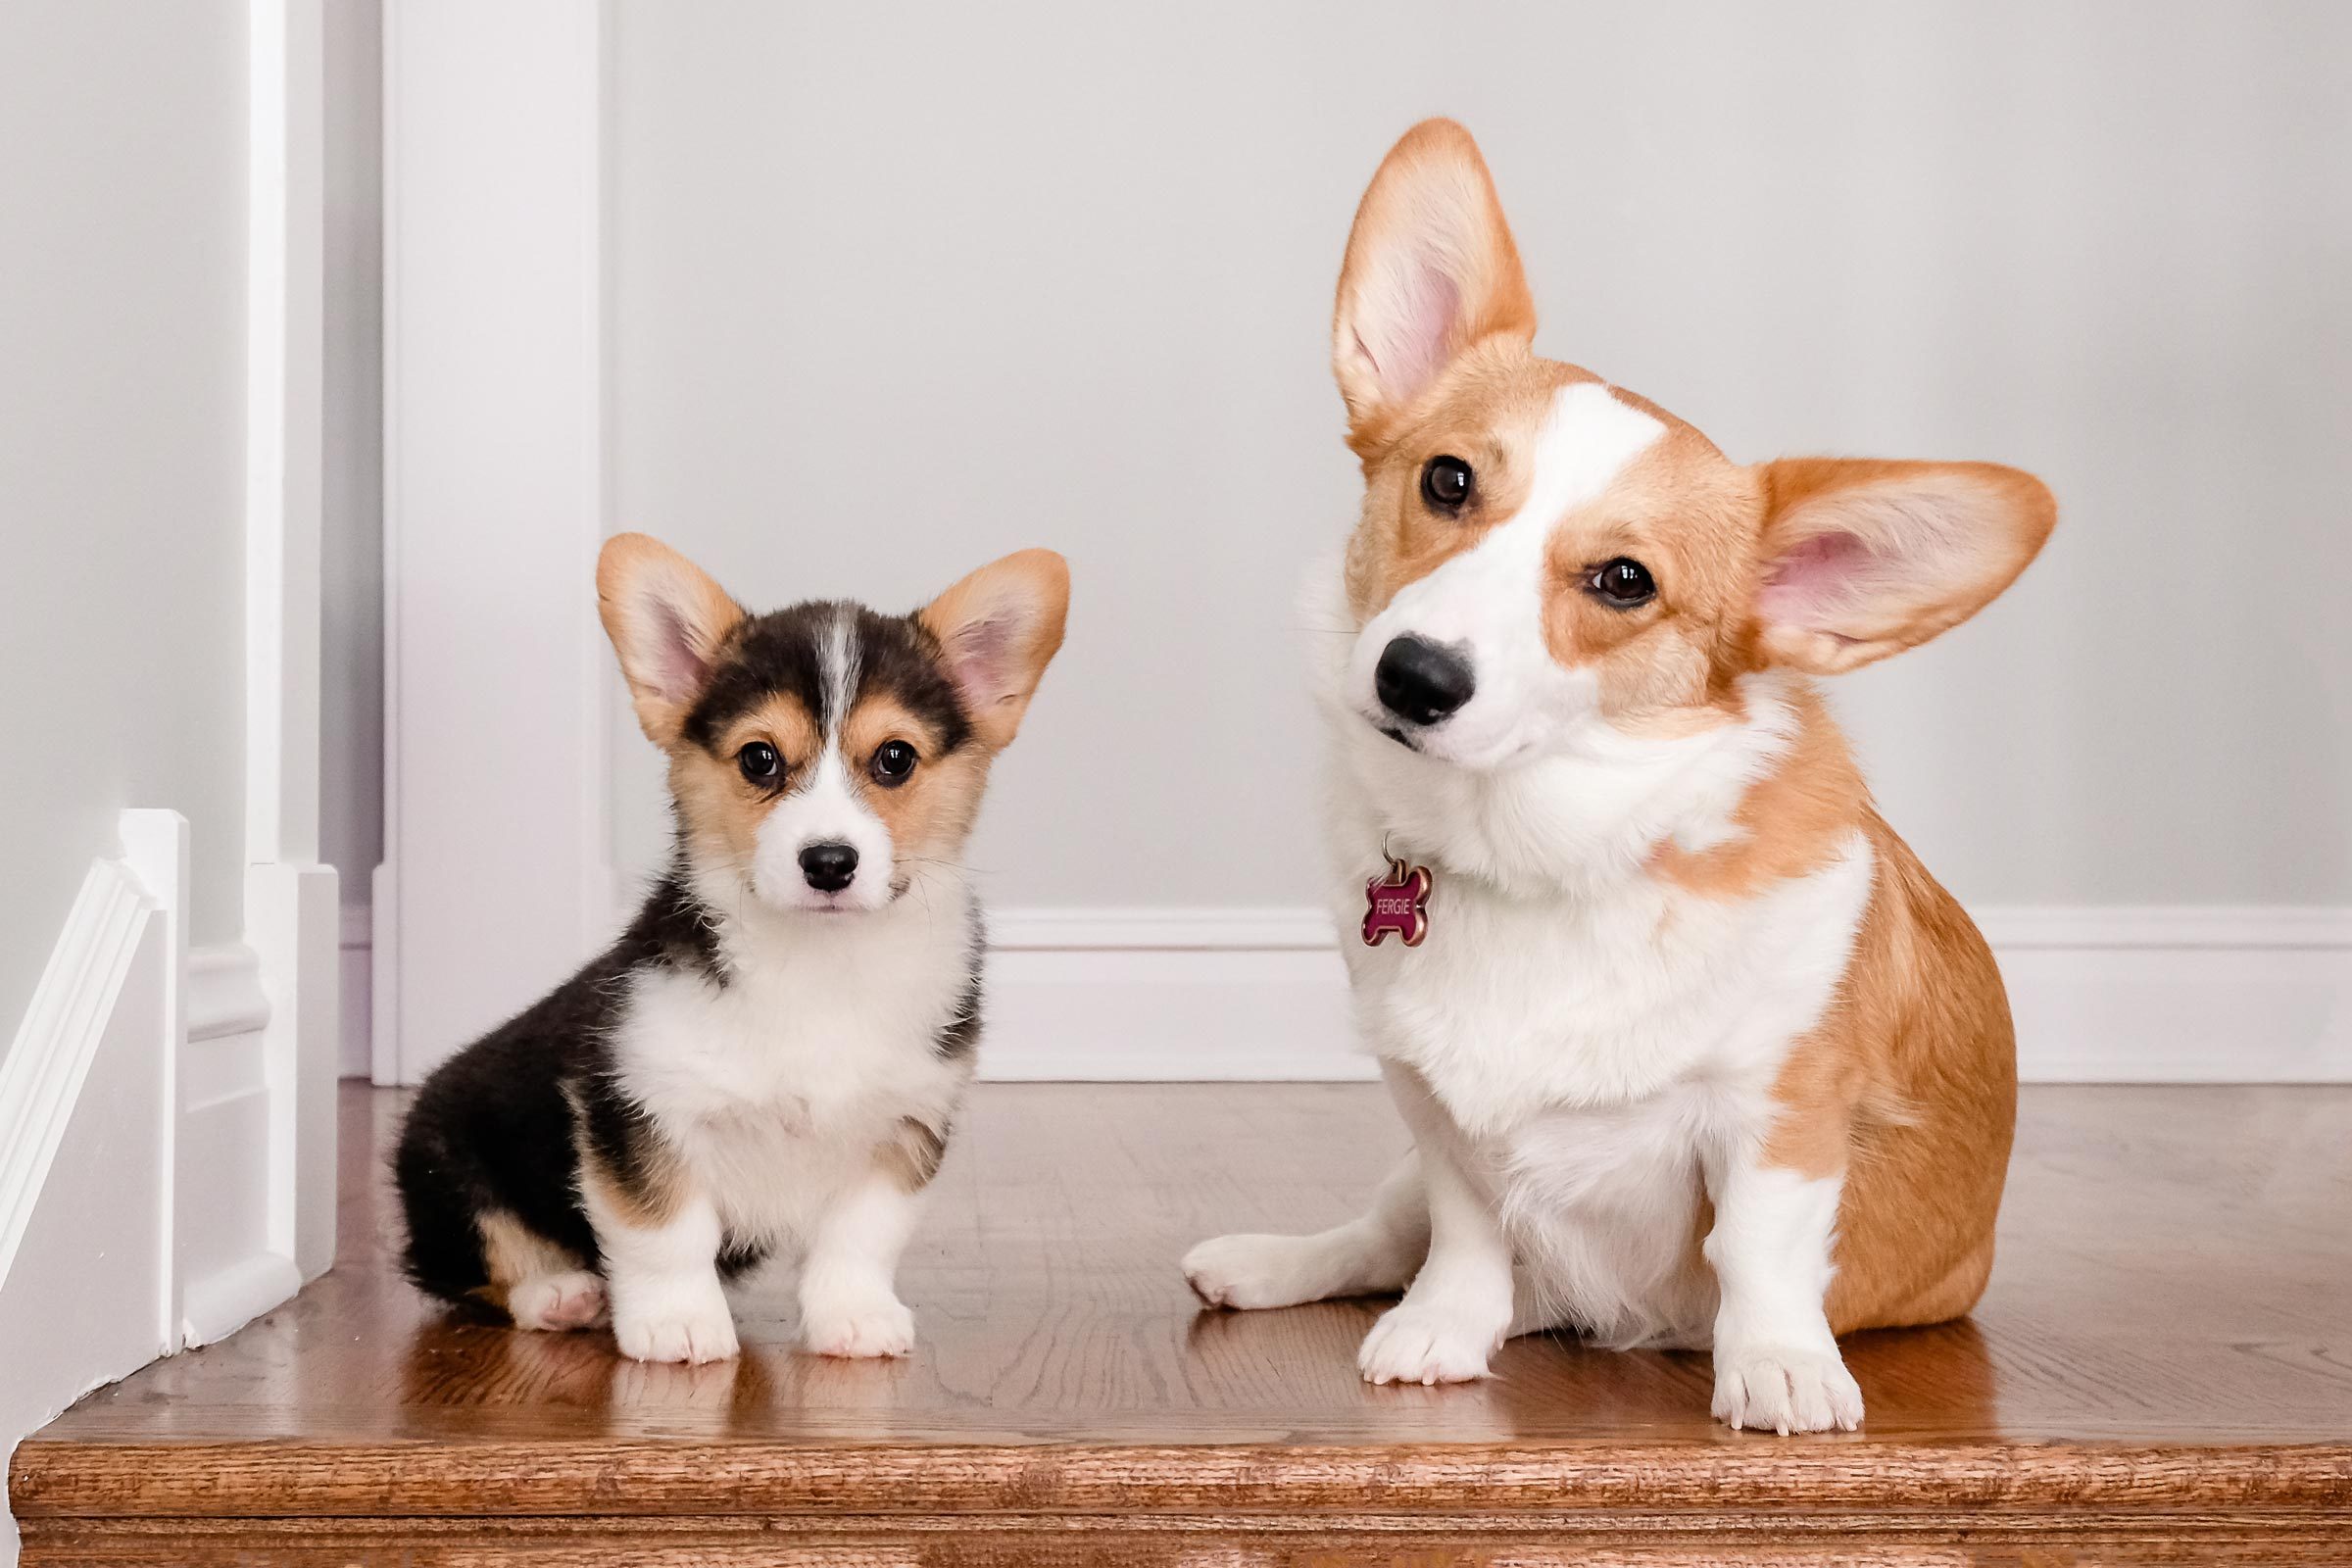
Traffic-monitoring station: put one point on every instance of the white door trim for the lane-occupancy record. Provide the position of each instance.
(494, 746)
(290, 897)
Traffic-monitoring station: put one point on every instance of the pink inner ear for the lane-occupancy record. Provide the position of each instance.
(1412, 349)
(1816, 578)
(978, 659)
(682, 668)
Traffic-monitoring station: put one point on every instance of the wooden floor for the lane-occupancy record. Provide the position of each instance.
(2162, 1372)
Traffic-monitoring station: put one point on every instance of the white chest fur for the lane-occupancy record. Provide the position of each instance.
(777, 1088)
(1598, 1036)
(1516, 1006)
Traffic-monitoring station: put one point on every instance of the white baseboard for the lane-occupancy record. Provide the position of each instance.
(2119, 994)
(86, 1148)
(72, 1009)
(2112, 994)
(225, 1110)
(156, 1190)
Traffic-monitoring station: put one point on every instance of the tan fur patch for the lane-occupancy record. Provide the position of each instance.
(1488, 410)
(1792, 822)
(653, 1203)
(512, 1253)
(1908, 1087)
(930, 812)
(721, 809)
(914, 1153)
(1686, 514)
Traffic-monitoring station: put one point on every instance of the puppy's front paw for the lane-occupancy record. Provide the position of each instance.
(1417, 1343)
(870, 1326)
(1248, 1271)
(684, 1326)
(1775, 1389)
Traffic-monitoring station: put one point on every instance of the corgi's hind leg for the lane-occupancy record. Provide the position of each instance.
(572, 1300)
(542, 1285)
(1372, 1254)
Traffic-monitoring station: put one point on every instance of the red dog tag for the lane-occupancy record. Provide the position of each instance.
(1398, 903)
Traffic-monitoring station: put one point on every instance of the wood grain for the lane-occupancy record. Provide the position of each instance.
(2162, 1372)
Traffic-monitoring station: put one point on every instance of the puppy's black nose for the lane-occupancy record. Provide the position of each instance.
(1420, 682)
(829, 867)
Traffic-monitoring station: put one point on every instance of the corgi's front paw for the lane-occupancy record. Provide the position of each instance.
(690, 1326)
(1419, 1343)
(1248, 1271)
(1776, 1389)
(860, 1326)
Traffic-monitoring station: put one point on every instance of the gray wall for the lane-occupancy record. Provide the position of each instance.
(894, 296)
(122, 452)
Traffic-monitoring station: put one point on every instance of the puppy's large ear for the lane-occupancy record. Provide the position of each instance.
(997, 629)
(668, 620)
(1431, 270)
(1866, 559)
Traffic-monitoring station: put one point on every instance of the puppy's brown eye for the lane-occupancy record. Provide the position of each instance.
(1623, 583)
(760, 762)
(1445, 484)
(893, 761)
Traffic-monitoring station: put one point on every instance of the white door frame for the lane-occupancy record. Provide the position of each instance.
(290, 902)
(168, 1113)
(253, 1156)
(494, 750)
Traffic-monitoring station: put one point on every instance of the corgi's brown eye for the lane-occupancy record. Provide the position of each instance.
(893, 761)
(1445, 484)
(1623, 583)
(760, 762)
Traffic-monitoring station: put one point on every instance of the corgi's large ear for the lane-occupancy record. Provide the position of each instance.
(997, 629)
(1865, 559)
(668, 620)
(1431, 270)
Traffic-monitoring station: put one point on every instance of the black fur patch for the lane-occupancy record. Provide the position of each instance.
(778, 654)
(961, 1035)
(899, 654)
(503, 1123)
(783, 654)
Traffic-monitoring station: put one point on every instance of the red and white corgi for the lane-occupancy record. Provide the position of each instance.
(1694, 1052)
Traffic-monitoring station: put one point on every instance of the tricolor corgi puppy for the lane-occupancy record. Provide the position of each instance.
(769, 1058)
(1692, 1051)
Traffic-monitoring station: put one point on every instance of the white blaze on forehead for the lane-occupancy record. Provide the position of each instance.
(1487, 602)
(1585, 444)
(823, 805)
(837, 663)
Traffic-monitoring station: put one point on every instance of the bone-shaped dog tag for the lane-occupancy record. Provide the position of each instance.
(1398, 903)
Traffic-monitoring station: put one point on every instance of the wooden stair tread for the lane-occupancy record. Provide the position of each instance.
(2164, 1365)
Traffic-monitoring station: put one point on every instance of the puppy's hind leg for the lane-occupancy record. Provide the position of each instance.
(542, 1285)
(1372, 1254)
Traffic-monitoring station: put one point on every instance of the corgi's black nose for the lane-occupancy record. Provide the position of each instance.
(829, 867)
(1420, 682)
